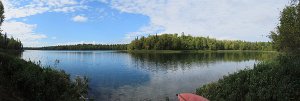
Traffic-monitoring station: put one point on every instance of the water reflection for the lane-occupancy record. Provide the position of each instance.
(106, 70)
(116, 76)
(165, 61)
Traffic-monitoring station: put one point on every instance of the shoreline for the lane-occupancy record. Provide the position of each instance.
(165, 51)
(189, 51)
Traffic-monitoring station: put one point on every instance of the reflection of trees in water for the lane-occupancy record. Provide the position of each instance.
(175, 61)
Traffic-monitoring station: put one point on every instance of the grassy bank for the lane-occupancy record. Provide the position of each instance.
(26, 81)
(274, 80)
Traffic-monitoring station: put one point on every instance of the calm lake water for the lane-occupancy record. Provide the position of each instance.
(119, 76)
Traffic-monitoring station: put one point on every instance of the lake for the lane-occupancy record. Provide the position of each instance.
(121, 76)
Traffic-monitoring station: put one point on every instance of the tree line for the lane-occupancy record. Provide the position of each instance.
(169, 42)
(5, 42)
(10, 43)
(84, 47)
(187, 42)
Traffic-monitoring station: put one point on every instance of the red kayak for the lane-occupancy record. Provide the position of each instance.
(190, 97)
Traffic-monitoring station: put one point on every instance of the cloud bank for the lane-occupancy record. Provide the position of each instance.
(249, 20)
(79, 18)
(15, 9)
(223, 19)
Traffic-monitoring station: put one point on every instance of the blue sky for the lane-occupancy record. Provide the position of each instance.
(57, 22)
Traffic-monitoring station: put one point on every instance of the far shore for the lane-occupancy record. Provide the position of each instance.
(166, 51)
(189, 51)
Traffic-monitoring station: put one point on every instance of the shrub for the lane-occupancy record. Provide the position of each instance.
(277, 79)
(29, 81)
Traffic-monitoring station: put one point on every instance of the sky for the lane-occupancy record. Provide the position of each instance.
(63, 22)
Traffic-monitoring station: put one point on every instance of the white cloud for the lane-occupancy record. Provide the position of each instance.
(14, 10)
(79, 18)
(69, 9)
(87, 42)
(24, 8)
(79, 42)
(143, 31)
(233, 19)
(23, 31)
(58, 3)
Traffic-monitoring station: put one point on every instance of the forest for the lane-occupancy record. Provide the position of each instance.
(187, 42)
(10, 43)
(83, 47)
(169, 42)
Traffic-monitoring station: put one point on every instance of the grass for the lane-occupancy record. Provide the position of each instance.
(273, 80)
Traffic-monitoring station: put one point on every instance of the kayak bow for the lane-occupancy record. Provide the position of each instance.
(190, 97)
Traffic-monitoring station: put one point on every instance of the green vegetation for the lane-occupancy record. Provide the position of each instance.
(9, 43)
(84, 47)
(188, 51)
(21, 80)
(169, 42)
(287, 36)
(27, 81)
(273, 80)
(276, 80)
(5, 42)
(183, 42)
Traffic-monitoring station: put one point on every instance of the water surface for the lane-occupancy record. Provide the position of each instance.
(119, 76)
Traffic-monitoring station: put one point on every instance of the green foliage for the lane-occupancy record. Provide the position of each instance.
(286, 38)
(10, 43)
(84, 47)
(5, 42)
(28, 81)
(276, 80)
(175, 42)
(1, 13)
